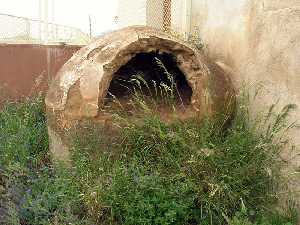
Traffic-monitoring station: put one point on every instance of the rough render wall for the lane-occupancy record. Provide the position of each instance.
(260, 41)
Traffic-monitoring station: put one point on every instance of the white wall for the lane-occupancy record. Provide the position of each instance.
(132, 12)
(180, 16)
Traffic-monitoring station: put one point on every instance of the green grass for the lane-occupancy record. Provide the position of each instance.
(147, 172)
(23, 134)
(185, 172)
(32, 191)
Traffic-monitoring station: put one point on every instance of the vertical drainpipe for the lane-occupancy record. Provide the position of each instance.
(53, 12)
(188, 15)
(52, 19)
(27, 28)
(191, 17)
(90, 27)
(46, 40)
(40, 20)
(46, 21)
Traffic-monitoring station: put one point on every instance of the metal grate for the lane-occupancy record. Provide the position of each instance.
(174, 16)
(167, 15)
(158, 14)
(167, 12)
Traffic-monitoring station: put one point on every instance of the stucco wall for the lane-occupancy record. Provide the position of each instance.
(260, 42)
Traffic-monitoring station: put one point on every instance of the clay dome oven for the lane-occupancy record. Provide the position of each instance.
(82, 86)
